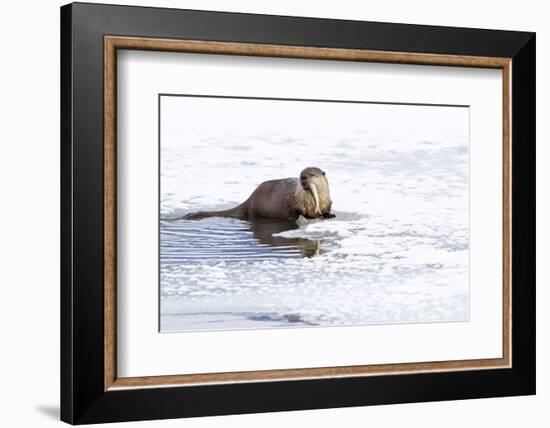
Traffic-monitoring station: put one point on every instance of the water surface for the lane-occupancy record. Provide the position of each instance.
(229, 239)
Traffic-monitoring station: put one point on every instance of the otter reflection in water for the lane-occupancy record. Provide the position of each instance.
(287, 198)
(264, 229)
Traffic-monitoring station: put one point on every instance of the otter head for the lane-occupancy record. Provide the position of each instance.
(314, 180)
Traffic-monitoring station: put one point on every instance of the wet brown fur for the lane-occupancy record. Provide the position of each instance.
(287, 198)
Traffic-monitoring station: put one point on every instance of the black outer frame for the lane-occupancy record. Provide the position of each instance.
(83, 399)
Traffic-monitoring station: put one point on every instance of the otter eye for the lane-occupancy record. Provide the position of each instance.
(303, 177)
(323, 173)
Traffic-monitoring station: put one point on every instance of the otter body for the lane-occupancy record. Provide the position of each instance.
(287, 198)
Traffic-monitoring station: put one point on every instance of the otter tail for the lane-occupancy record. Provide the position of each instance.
(236, 212)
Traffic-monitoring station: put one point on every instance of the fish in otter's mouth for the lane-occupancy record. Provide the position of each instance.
(313, 190)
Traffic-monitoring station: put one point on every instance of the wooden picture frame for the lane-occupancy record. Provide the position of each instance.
(91, 390)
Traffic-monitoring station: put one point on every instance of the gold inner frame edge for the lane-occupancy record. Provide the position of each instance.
(113, 43)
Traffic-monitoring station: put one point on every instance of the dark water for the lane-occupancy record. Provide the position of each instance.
(227, 239)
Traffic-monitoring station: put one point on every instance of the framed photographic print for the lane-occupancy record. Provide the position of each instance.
(265, 213)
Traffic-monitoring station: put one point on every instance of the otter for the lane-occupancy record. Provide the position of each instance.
(287, 198)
